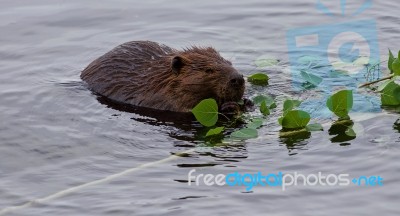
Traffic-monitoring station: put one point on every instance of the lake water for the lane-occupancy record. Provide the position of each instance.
(56, 135)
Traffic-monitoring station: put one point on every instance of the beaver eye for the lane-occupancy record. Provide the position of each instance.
(209, 70)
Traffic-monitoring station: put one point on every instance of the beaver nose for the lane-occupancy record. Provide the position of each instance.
(237, 81)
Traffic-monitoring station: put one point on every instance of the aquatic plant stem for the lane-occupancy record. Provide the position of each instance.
(376, 81)
(92, 183)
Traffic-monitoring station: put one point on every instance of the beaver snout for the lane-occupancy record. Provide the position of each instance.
(237, 81)
(234, 89)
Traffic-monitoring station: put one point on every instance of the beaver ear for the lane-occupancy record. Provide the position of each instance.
(177, 63)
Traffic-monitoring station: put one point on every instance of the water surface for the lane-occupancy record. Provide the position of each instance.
(55, 134)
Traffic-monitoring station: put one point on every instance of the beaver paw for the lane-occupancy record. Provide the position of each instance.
(248, 105)
(230, 109)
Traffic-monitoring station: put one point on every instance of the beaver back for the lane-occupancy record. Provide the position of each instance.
(145, 73)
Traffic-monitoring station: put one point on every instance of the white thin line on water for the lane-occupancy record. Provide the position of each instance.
(356, 117)
(96, 182)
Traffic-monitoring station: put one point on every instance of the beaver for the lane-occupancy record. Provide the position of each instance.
(153, 75)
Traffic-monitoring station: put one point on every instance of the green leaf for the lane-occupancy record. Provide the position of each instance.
(309, 61)
(268, 100)
(260, 98)
(362, 61)
(311, 78)
(396, 67)
(391, 60)
(215, 131)
(396, 80)
(295, 119)
(245, 133)
(383, 85)
(290, 105)
(264, 109)
(341, 103)
(339, 64)
(350, 132)
(258, 79)
(265, 61)
(314, 127)
(280, 120)
(272, 106)
(255, 123)
(206, 112)
(390, 95)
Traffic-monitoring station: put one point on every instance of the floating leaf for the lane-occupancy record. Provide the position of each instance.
(264, 61)
(341, 103)
(280, 120)
(314, 127)
(350, 132)
(268, 100)
(290, 104)
(206, 112)
(396, 67)
(255, 123)
(391, 60)
(396, 80)
(309, 61)
(245, 133)
(260, 98)
(311, 78)
(383, 85)
(215, 131)
(264, 109)
(390, 95)
(295, 119)
(258, 79)
(337, 73)
(273, 105)
(362, 61)
(340, 65)
(307, 86)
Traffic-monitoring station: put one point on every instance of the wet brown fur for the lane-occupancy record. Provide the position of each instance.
(148, 74)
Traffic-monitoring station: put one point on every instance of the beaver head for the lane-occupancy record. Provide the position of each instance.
(201, 73)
